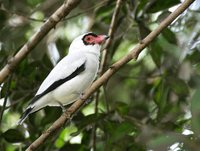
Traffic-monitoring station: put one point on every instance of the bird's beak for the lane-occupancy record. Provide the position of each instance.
(101, 39)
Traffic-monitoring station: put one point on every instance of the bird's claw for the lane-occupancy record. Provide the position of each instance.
(87, 101)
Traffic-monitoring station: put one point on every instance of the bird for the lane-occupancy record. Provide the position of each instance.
(68, 80)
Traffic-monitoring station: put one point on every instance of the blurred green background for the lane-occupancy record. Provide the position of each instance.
(150, 104)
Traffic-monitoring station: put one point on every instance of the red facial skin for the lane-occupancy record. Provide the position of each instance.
(100, 39)
(96, 40)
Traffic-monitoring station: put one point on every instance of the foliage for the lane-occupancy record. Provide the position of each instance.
(153, 102)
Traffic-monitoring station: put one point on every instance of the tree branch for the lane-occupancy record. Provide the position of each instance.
(107, 75)
(36, 38)
(111, 32)
(104, 59)
(98, 5)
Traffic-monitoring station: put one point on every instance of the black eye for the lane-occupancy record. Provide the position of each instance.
(88, 38)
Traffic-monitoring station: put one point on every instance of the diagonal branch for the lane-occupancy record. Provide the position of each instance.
(107, 75)
(60, 13)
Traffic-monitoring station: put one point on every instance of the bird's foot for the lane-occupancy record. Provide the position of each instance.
(81, 96)
(62, 106)
(87, 101)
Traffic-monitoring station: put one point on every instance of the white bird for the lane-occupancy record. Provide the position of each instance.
(71, 76)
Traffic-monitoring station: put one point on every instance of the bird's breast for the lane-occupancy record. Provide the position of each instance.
(78, 84)
(85, 79)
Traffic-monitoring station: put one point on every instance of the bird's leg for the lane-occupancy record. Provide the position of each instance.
(62, 106)
(86, 101)
(81, 96)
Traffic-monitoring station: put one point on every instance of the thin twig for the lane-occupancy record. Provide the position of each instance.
(111, 31)
(56, 17)
(98, 5)
(106, 99)
(135, 121)
(94, 125)
(133, 54)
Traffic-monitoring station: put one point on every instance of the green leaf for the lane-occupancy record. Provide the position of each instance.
(13, 136)
(160, 5)
(194, 57)
(195, 110)
(87, 120)
(3, 18)
(160, 97)
(141, 6)
(73, 147)
(122, 108)
(119, 130)
(116, 44)
(169, 35)
(156, 53)
(51, 114)
(35, 2)
(104, 12)
(163, 16)
(163, 142)
(143, 29)
(178, 86)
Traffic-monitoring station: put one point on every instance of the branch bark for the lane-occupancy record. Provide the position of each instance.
(60, 13)
(107, 75)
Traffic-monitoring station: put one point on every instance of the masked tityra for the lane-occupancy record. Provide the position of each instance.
(71, 76)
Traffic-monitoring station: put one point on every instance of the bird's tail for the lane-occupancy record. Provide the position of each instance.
(25, 115)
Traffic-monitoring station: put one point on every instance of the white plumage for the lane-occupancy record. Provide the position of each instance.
(71, 76)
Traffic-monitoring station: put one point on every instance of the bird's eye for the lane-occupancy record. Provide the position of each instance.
(88, 39)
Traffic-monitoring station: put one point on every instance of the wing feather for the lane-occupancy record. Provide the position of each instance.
(66, 69)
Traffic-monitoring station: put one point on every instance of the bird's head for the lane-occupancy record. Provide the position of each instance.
(88, 42)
